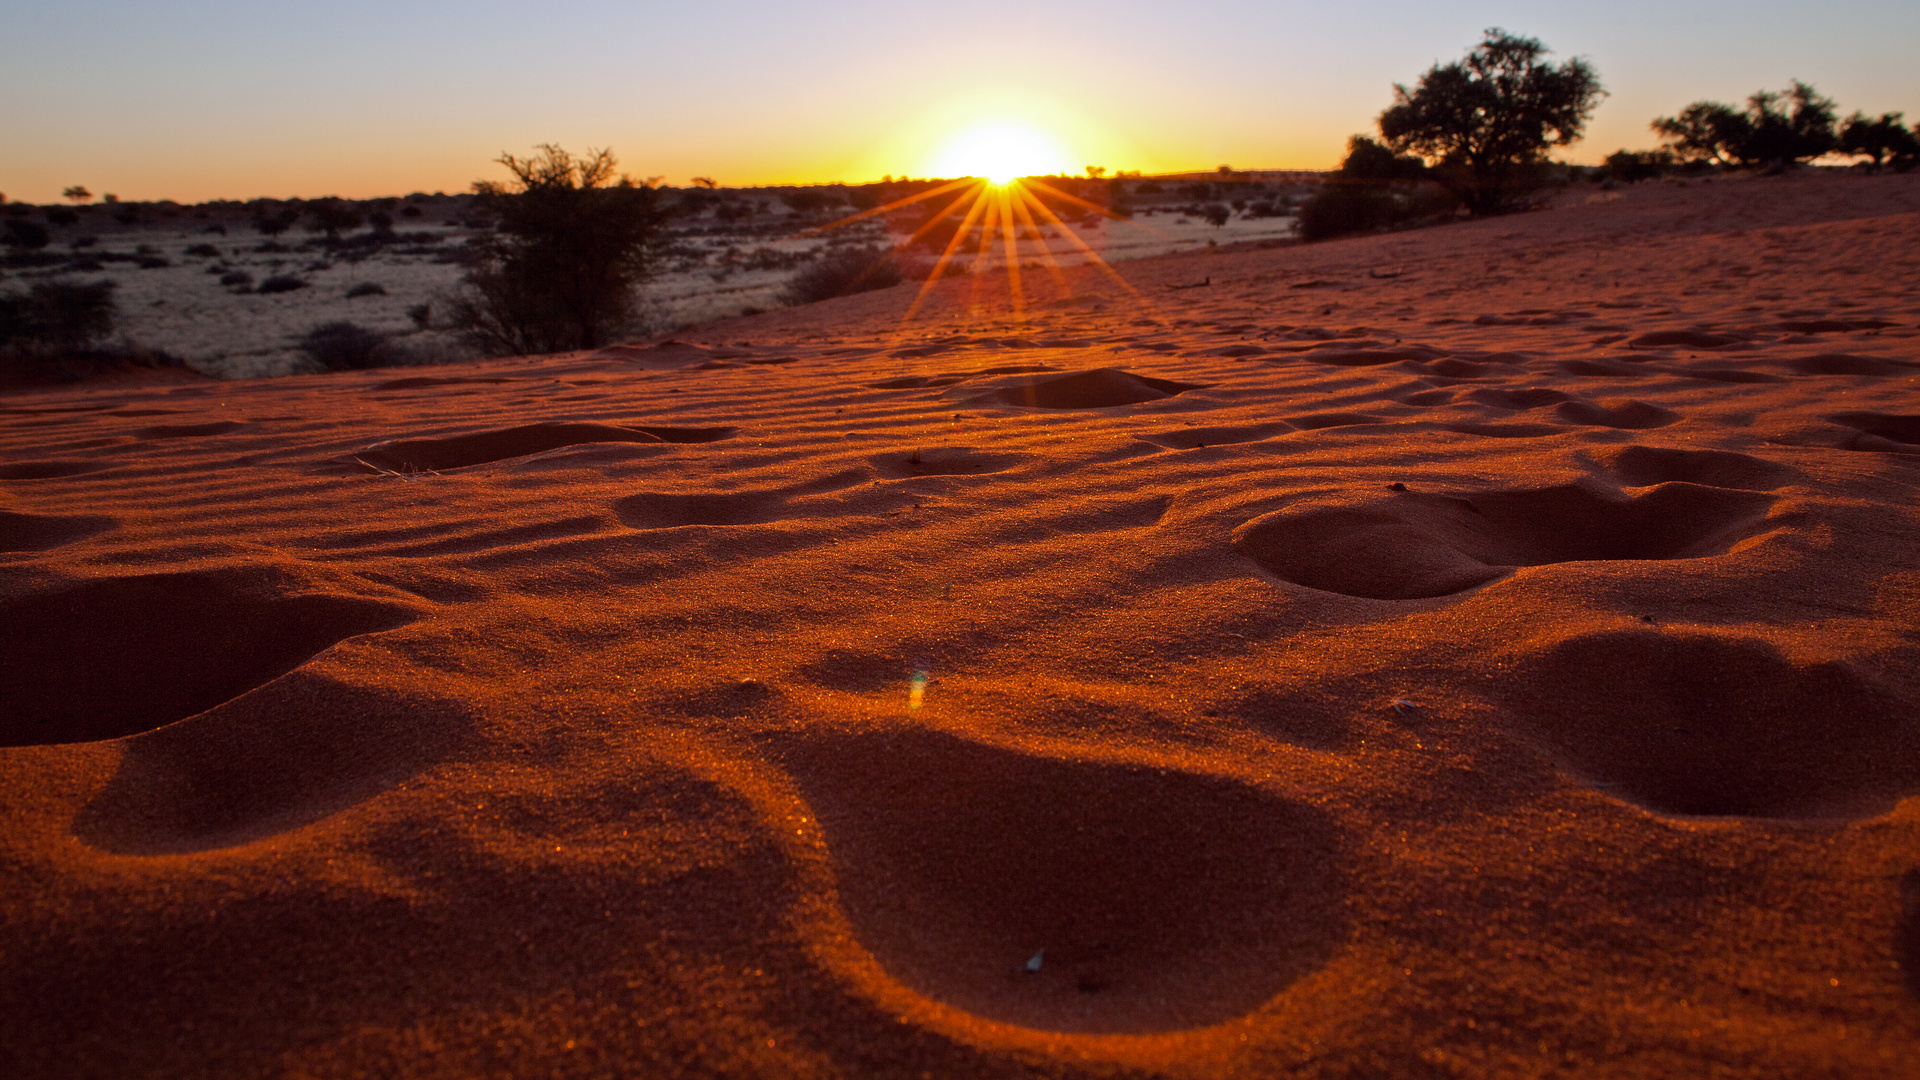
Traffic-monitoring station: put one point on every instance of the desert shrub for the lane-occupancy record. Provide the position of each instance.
(237, 279)
(366, 288)
(269, 247)
(60, 215)
(280, 283)
(273, 222)
(345, 346)
(1631, 167)
(563, 270)
(25, 235)
(56, 316)
(409, 211)
(207, 251)
(843, 273)
(1338, 209)
(1216, 214)
(1484, 124)
(1373, 189)
(422, 315)
(153, 262)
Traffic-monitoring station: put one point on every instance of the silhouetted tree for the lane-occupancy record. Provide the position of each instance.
(1778, 127)
(77, 194)
(1216, 214)
(1881, 140)
(563, 270)
(1705, 131)
(1485, 123)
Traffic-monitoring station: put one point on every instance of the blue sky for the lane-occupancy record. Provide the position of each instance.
(195, 99)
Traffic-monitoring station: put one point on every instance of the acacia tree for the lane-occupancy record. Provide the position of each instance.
(1485, 123)
(1778, 127)
(571, 246)
(1880, 140)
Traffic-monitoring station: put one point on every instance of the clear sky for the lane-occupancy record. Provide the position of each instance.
(204, 99)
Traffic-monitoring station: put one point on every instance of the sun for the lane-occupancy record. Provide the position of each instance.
(1000, 152)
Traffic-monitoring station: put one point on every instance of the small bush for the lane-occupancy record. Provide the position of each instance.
(844, 273)
(26, 235)
(280, 283)
(345, 346)
(207, 251)
(238, 278)
(56, 316)
(366, 288)
(271, 247)
(60, 215)
(153, 262)
(422, 315)
(1630, 167)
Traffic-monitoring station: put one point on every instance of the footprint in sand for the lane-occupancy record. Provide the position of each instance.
(1704, 721)
(1624, 413)
(1196, 438)
(299, 749)
(1647, 466)
(1068, 895)
(1101, 388)
(483, 447)
(1406, 545)
(107, 657)
(1886, 433)
(1848, 364)
(38, 532)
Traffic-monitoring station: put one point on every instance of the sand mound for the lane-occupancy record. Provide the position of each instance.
(107, 657)
(483, 447)
(1720, 723)
(1071, 896)
(1101, 388)
(1407, 545)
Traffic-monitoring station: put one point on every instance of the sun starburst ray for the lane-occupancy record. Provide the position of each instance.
(940, 265)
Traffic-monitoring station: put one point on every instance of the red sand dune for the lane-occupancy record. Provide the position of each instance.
(1497, 659)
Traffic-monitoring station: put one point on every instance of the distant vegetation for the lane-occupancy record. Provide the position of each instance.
(1473, 133)
(843, 273)
(571, 247)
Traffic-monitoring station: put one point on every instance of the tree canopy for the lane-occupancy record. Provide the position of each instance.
(1777, 127)
(1486, 123)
